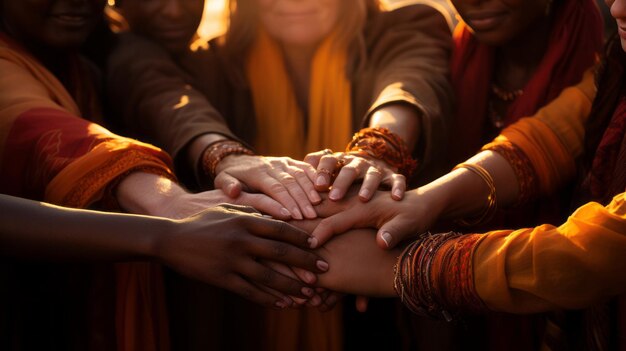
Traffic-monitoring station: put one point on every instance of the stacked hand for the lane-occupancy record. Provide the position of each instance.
(340, 170)
(227, 245)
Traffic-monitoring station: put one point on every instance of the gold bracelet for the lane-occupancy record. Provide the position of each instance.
(492, 203)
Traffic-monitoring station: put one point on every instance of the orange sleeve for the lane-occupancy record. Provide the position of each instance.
(553, 138)
(571, 266)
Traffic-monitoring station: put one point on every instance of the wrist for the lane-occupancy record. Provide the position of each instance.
(215, 153)
(382, 144)
(148, 194)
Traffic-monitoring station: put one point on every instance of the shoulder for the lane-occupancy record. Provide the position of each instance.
(417, 14)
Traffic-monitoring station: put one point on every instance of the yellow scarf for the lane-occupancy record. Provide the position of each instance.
(280, 122)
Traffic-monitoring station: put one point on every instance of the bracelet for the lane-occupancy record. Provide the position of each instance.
(492, 203)
(440, 291)
(218, 151)
(523, 168)
(382, 144)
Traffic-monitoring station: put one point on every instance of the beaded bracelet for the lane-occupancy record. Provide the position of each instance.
(218, 151)
(492, 203)
(382, 144)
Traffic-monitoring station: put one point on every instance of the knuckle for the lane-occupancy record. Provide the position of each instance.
(267, 277)
(350, 170)
(276, 188)
(246, 292)
(279, 250)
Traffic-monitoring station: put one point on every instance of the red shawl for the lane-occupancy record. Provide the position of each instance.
(575, 41)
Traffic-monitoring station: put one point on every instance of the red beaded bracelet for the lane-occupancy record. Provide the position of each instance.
(382, 144)
(218, 151)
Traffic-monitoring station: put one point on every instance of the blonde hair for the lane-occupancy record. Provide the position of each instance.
(244, 21)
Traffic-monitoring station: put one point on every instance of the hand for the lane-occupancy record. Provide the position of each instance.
(222, 246)
(287, 181)
(350, 167)
(395, 220)
(358, 265)
(185, 204)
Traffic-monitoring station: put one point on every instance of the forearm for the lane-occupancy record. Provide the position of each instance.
(462, 192)
(400, 118)
(149, 194)
(39, 231)
(358, 265)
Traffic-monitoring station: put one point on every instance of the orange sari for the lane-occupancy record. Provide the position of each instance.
(47, 152)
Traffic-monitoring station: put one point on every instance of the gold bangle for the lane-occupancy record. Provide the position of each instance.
(492, 203)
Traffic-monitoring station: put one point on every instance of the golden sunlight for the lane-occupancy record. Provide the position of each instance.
(214, 19)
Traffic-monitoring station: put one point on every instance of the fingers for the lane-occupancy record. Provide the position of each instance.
(329, 300)
(251, 292)
(264, 204)
(289, 272)
(287, 189)
(279, 192)
(393, 232)
(278, 231)
(398, 186)
(335, 224)
(361, 303)
(325, 169)
(307, 185)
(371, 182)
(265, 276)
(290, 255)
(230, 185)
(314, 157)
(346, 176)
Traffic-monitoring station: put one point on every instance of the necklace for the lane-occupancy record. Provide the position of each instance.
(503, 95)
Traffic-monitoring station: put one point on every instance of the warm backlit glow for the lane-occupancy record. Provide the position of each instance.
(214, 19)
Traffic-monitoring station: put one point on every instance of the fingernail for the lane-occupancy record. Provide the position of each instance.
(315, 197)
(387, 238)
(316, 300)
(397, 193)
(306, 291)
(280, 304)
(321, 180)
(331, 300)
(364, 193)
(296, 213)
(334, 194)
(309, 277)
(323, 266)
(312, 242)
(285, 212)
(310, 212)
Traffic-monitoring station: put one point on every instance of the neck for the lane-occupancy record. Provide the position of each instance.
(518, 59)
(528, 48)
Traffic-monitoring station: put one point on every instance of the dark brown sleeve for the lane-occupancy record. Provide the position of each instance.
(408, 59)
(151, 97)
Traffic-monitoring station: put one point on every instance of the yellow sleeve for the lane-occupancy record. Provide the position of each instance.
(572, 266)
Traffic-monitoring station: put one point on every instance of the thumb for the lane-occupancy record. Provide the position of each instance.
(336, 224)
(393, 232)
(230, 185)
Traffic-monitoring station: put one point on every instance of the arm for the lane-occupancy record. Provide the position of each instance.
(405, 88)
(153, 95)
(217, 246)
(573, 266)
(531, 157)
